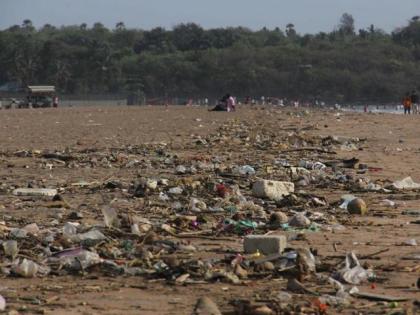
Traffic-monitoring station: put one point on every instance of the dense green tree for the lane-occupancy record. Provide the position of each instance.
(189, 61)
(346, 26)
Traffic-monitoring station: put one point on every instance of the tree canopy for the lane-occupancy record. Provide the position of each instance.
(189, 61)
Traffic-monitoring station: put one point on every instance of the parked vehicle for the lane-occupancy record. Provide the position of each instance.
(38, 96)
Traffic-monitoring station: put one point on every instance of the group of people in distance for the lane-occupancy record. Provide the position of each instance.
(226, 104)
(411, 102)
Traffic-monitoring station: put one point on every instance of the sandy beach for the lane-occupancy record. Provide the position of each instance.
(123, 144)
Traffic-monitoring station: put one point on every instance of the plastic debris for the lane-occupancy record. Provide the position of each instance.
(35, 192)
(11, 248)
(406, 183)
(110, 217)
(25, 268)
(353, 272)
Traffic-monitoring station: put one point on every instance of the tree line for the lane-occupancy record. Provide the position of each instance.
(189, 61)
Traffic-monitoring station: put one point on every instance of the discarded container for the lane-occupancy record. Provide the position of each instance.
(357, 206)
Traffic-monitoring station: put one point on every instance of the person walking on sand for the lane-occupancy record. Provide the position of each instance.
(415, 102)
(407, 104)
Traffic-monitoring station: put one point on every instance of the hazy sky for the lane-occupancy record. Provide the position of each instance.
(309, 16)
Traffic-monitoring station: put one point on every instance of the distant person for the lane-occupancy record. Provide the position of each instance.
(281, 102)
(407, 104)
(55, 101)
(222, 104)
(231, 103)
(415, 101)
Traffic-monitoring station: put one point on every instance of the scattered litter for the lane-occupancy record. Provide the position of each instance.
(35, 192)
(353, 272)
(406, 183)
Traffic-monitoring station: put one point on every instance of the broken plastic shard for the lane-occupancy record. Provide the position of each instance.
(244, 170)
(77, 259)
(135, 229)
(175, 191)
(388, 203)
(406, 183)
(283, 297)
(337, 285)
(69, 229)
(312, 165)
(11, 248)
(345, 199)
(163, 197)
(181, 169)
(197, 205)
(334, 300)
(18, 233)
(35, 192)
(93, 235)
(110, 217)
